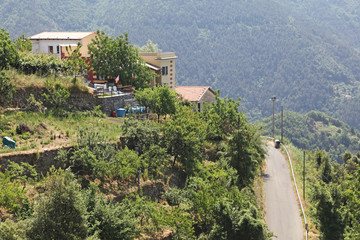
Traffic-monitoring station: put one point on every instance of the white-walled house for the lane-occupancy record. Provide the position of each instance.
(55, 42)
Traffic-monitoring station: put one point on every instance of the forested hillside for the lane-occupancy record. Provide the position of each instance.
(316, 130)
(304, 52)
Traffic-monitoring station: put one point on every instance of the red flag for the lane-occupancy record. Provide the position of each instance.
(117, 79)
(132, 76)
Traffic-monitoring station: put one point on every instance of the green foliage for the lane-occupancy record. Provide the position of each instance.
(316, 130)
(23, 172)
(10, 230)
(11, 193)
(141, 134)
(33, 104)
(109, 220)
(55, 95)
(23, 44)
(75, 62)
(246, 152)
(150, 47)
(184, 137)
(60, 212)
(222, 117)
(161, 100)
(125, 164)
(266, 33)
(41, 64)
(7, 88)
(8, 52)
(112, 57)
(352, 208)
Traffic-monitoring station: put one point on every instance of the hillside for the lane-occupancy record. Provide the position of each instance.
(304, 52)
(316, 130)
(81, 175)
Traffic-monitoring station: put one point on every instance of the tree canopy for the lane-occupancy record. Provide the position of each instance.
(114, 56)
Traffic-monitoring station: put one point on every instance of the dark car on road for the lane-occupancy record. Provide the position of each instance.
(277, 143)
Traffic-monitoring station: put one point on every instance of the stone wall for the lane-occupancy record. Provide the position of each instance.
(109, 104)
(42, 159)
(78, 100)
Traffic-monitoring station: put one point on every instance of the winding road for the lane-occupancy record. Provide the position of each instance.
(282, 211)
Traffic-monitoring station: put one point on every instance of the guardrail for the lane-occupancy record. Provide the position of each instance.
(297, 192)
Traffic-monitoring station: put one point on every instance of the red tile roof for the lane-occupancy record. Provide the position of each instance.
(192, 93)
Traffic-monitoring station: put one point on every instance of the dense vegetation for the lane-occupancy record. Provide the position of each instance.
(304, 52)
(315, 130)
(189, 176)
(332, 193)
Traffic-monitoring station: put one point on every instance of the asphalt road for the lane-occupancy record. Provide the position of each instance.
(282, 211)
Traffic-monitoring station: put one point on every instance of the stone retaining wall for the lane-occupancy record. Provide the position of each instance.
(109, 104)
(43, 160)
(79, 101)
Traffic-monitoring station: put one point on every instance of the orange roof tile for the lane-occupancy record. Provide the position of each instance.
(192, 93)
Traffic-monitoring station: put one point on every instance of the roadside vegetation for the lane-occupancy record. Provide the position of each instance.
(331, 193)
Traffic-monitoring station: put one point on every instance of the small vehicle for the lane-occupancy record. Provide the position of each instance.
(277, 143)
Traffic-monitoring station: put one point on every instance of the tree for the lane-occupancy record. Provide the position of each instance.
(8, 52)
(60, 212)
(150, 47)
(112, 57)
(222, 117)
(76, 63)
(23, 44)
(245, 151)
(56, 95)
(161, 100)
(184, 137)
(7, 88)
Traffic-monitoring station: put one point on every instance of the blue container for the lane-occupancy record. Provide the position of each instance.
(8, 142)
(121, 112)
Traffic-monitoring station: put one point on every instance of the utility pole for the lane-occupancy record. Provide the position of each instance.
(282, 123)
(273, 117)
(304, 178)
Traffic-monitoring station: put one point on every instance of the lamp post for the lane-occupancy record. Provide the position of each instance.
(273, 117)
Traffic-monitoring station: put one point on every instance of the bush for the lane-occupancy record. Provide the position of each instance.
(7, 88)
(60, 212)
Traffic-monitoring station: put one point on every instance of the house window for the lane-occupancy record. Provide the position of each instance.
(199, 107)
(57, 49)
(164, 70)
(51, 49)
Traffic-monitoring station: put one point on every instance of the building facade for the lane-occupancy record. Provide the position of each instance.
(57, 42)
(163, 64)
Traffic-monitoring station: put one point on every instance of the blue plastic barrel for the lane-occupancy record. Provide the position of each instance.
(121, 112)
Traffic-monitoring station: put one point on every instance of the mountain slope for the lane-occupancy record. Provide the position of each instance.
(302, 51)
(316, 130)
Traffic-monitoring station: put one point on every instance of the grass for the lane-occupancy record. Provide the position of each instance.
(297, 157)
(49, 130)
(22, 80)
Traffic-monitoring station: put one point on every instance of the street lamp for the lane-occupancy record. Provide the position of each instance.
(273, 118)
